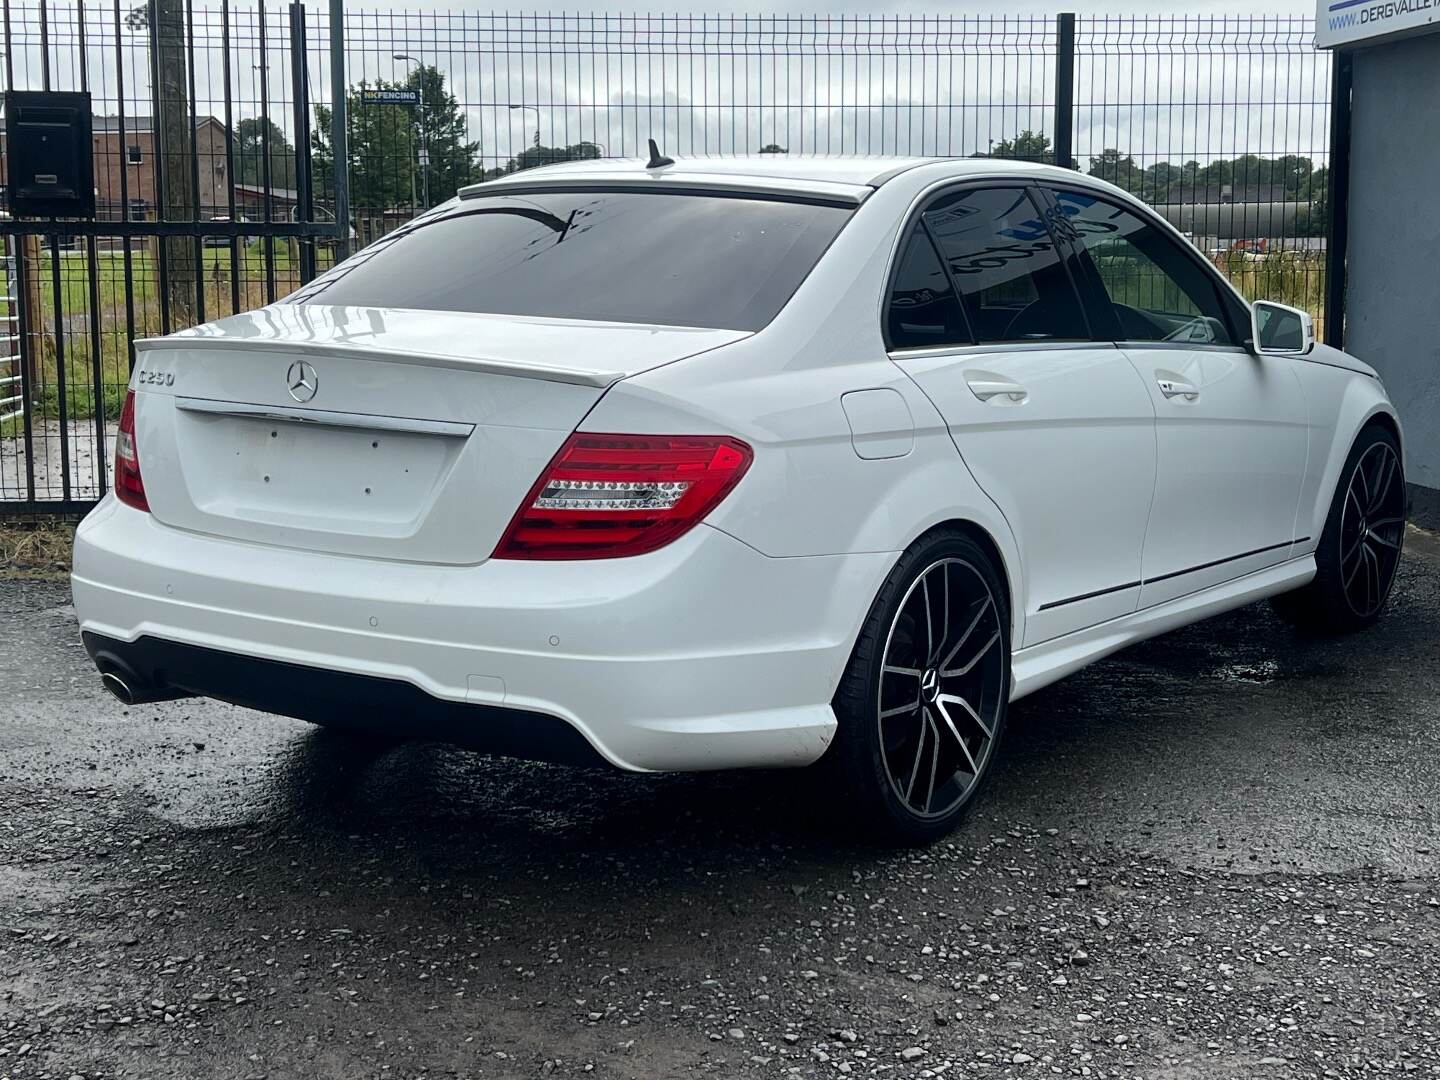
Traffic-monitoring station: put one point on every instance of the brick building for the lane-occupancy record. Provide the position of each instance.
(132, 152)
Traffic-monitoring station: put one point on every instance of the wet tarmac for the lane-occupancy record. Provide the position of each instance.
(1214, 855)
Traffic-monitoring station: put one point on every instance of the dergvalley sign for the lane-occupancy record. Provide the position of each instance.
(1353, 22)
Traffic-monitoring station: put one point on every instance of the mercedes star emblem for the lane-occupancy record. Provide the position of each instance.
(302, 381)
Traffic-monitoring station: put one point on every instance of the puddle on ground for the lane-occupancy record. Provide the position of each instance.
(1257, 673)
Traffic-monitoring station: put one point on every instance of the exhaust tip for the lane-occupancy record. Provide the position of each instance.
(118, 687)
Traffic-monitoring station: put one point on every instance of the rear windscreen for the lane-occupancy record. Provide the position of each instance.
(712, 261)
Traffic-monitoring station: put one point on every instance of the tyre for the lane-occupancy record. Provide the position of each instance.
(1360, 545)
(922, 705)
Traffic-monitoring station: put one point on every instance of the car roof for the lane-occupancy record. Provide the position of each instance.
(844, 178)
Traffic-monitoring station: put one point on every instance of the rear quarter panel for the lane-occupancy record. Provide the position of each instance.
(809, 493)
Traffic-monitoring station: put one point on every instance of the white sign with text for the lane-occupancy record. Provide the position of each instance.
(1350, 22)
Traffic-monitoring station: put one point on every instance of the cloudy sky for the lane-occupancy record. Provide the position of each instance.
(967, 77)
(955, 85)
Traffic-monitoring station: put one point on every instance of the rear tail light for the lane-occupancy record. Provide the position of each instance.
(605, 496)
(129, 488)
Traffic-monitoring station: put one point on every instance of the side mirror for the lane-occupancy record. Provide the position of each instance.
(1277, 330)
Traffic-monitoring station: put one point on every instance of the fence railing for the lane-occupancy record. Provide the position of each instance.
(1221, 123)
(12, 401)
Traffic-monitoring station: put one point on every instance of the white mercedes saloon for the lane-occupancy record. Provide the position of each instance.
(733, 463)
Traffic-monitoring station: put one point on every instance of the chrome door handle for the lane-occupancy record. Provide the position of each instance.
(985, 386)
(1172, 386)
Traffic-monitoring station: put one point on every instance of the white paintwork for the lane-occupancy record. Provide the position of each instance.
(724, 648)
(407, 495)
(880, 423)
(1071, 462)
(582, 352)
(1039, 666)
(640, 681)
(1231, 460)
(833, 174)
(1257, 339)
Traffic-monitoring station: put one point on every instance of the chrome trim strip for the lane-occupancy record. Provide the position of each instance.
(325, 418)
(1183, 346)
(991, 347)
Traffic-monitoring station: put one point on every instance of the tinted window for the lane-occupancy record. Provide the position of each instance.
(1158, 291)
(1012, 283)
(673, 260)
(923, 309)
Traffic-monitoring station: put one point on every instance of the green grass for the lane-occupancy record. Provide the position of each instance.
(115, 330)
(215, 264)
(1285, 278)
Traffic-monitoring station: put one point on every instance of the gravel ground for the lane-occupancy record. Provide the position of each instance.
(1215, 855)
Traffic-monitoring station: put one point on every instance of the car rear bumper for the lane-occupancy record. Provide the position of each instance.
(703, 655)
(357, 702)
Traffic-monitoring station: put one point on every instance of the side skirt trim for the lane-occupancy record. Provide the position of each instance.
(1172, 574)
(1040, 665)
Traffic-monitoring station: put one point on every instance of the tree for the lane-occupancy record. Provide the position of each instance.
(1294, 173)
(1027, 146)
(380, 152)
(1121, 171)
(442, 131)
(386, 143)
(534, 156)
(1159, 180)
(1314, 219)
(252, 136)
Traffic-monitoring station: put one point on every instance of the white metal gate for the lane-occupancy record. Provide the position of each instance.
(12, 401)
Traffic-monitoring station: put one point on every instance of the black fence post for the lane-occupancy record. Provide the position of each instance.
(304, 198)
(1337, 198)
(339, 130)
(1065, 90)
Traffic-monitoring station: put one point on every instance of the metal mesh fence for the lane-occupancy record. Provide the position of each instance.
(1221, 123)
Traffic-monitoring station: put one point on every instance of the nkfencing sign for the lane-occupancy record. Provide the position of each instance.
(370, 96)
(1353, 22)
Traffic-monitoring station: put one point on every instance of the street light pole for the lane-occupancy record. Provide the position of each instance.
(535, 109)
(424, 137)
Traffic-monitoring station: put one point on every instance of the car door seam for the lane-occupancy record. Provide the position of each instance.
(1155, 475)
(1017, 609)
(1309, 429)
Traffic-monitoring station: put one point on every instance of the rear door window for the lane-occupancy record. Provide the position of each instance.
(923, 309)
(1013, 284)
(668, 259)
